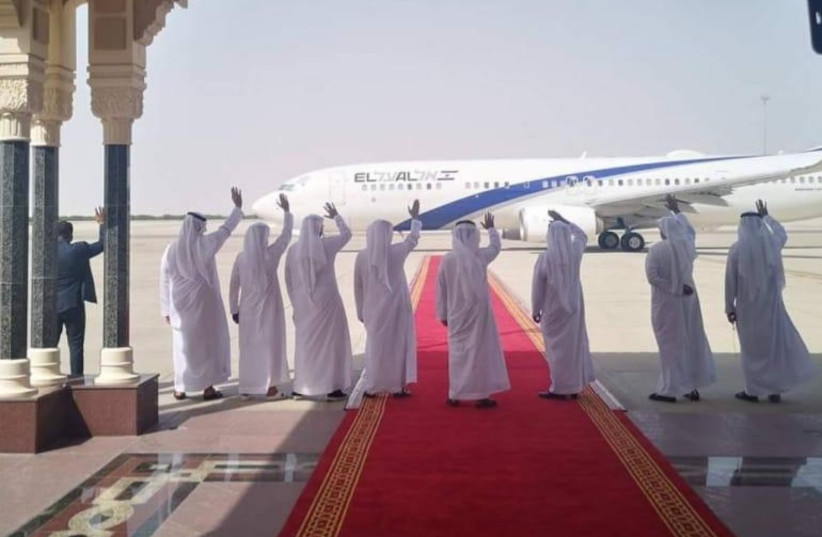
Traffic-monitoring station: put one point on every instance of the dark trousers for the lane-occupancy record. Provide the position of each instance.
(75, 323)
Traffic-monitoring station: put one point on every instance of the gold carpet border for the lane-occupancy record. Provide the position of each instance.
(419, 281)
(327, 512)
(675, 511)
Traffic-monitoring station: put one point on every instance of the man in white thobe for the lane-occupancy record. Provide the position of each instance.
(557, 305)
(384, 307)
(191, 303)
(774, 357)
(476, 364)
(685, 356)
(256, 304)
(322, 357)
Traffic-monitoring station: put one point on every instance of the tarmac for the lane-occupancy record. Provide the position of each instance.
(755, 464)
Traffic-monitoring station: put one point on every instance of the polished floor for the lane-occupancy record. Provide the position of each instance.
(135, 494)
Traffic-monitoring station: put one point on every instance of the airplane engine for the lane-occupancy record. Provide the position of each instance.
(534, 221)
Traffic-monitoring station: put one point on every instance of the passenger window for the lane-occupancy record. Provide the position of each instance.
(487, 184)
(545, 184)
(619, 182)
(802, 180)
(696, 180)
(610, 182)
(428, 186)
(630, 182)
(667, 182)
(507, 184)
(496, 184)
(365, 187)
(382, 186)
(657, 181)
(476, 184)
(439, 186)
(676, 181)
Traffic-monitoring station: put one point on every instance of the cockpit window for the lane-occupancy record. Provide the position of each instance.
(294, 184)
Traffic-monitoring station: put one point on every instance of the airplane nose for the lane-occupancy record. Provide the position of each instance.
(259, 207)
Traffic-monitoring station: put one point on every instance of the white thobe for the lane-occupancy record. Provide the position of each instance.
(390, 344)
(564, 332)
(774, 357)
(322, 356)
(263, 361)
(200, 340)
(687, 362)
(476, 364)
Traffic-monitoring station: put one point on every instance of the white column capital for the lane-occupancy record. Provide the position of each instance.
(21, 95)
(58, 93)
(117, 99)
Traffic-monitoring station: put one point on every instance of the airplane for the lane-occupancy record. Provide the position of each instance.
(601, 195)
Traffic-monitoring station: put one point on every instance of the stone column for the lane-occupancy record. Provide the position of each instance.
(117, 105)
(44, 354)
(21, 95)
(119, 33)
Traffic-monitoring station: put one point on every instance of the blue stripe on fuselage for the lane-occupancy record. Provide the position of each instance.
(451, 212)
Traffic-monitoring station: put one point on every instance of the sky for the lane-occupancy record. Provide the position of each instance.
(252, 93)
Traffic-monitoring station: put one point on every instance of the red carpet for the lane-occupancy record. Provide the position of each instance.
(416, 467)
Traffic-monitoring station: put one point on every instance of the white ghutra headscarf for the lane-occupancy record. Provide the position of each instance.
(561, 263)
(377, 247)
(186, 254)
(683, 252)
(255, 273)
(472, 279)
(759, 257)
(311, 257)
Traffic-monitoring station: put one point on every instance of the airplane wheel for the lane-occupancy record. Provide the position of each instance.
(632, 242)
(608, 240)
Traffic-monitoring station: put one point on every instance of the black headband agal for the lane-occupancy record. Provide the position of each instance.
(750, 214)
(198, 216)
(470, 222)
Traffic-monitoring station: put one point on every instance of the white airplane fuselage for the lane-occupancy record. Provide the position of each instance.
(600, 193)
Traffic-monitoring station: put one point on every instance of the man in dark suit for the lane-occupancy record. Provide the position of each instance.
(75, 286)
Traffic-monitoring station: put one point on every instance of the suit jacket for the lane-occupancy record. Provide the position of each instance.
(74, 280)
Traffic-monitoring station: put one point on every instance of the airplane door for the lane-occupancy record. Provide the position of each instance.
(336, 188)
(574, 186)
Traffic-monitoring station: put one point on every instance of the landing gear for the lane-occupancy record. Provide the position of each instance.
(608, 240)
(632, 242)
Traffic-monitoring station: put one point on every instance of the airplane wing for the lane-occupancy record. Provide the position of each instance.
(648, 205)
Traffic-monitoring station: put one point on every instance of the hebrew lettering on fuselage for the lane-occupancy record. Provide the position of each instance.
(416, 176)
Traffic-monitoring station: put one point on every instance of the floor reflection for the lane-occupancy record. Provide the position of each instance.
(135, 493)
(795, 472)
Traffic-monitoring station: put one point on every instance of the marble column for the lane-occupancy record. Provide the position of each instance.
(22, 73)
(45, 160)
(44, 354)
(117, 226)
(14, 247)
(14, 256)
(111, 104)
